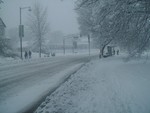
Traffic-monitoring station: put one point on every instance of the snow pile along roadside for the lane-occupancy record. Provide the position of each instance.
(104, 86)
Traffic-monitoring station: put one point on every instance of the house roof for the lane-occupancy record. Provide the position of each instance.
(2, 23)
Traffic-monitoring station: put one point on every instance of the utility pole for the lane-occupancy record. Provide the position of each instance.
(21, 28)
(20, 35)
(89, 44)
(64, 45)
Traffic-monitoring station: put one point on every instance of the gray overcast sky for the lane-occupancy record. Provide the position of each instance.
(61, 15)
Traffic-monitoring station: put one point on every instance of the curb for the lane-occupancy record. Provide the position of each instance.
(38, 102)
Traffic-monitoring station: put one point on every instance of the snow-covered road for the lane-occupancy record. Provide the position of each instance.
(21, 83)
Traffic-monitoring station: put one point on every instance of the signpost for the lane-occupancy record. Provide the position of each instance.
(89, 44)
(21, 30)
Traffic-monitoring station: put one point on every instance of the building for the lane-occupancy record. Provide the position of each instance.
(2, 28)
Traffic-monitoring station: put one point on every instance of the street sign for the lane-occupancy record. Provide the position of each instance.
(21, 30)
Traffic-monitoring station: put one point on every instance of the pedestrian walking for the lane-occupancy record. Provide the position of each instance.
(114, 52)
(25, 55)
(30, 54)
(117, 52)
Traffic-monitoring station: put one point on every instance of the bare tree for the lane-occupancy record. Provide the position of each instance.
(38, 25)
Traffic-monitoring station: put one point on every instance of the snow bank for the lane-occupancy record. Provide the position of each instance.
(103, 86)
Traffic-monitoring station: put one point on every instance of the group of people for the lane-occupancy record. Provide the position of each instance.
(27, 54)
(115, 52)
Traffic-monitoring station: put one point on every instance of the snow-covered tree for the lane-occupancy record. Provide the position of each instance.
(1, 3)
(123, 22)
(96, 19)
(38, 25)
(3, 46)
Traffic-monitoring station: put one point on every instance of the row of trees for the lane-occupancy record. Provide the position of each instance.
(121, 22)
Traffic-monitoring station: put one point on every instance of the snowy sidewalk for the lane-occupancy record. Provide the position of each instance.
(103, 86)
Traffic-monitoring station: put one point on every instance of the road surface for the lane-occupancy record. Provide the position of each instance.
(16, 77)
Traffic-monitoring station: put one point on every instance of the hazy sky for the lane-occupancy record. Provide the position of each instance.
(61, 14)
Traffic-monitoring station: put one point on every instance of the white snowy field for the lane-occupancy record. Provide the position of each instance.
(103, 86)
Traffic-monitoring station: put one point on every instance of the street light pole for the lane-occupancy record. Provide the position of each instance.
(89, 44)
(64, 45)
(21, 28)
(20, 36)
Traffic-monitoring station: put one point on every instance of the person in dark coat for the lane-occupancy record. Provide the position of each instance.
(114, 52)
(26, 55)
(30, 53)
(117, 52)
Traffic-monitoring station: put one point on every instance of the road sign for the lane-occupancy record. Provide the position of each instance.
(21, 30)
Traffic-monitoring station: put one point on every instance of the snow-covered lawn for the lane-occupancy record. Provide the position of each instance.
(103, 86)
